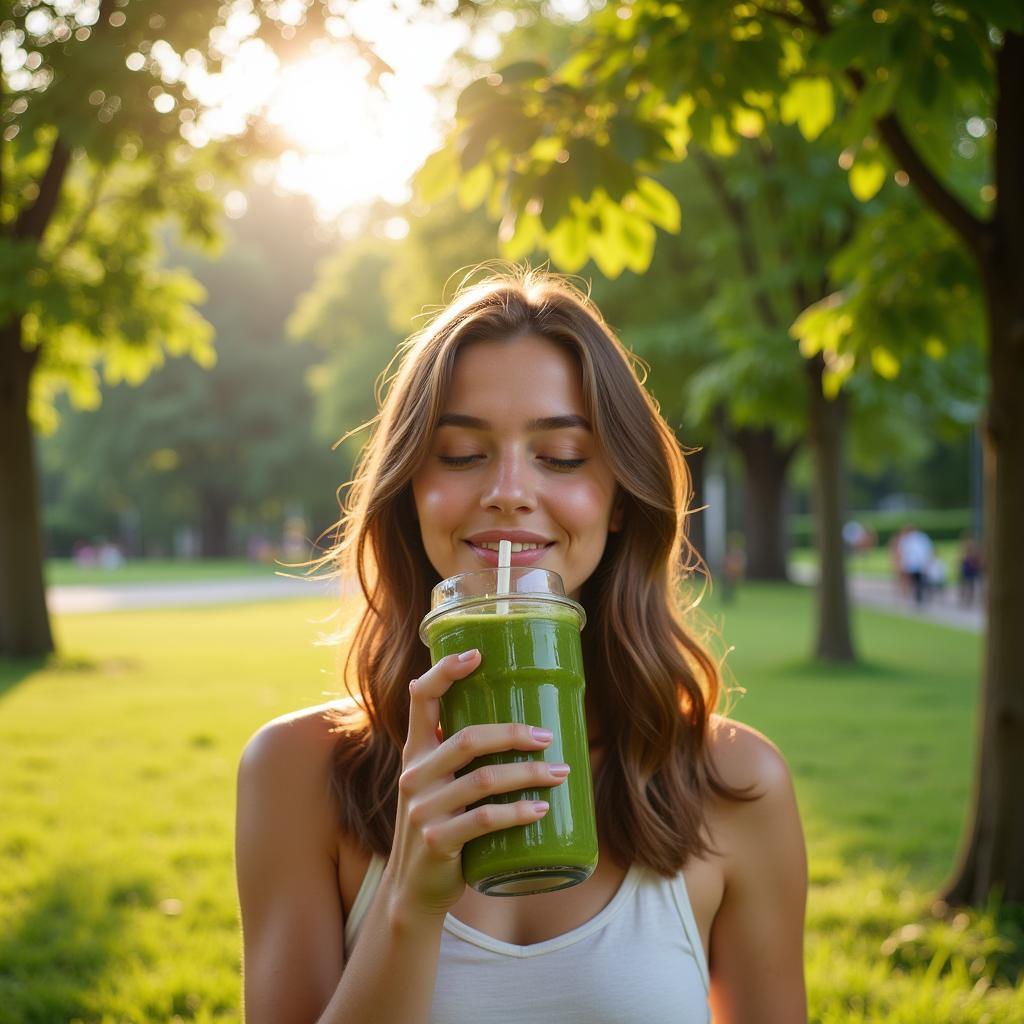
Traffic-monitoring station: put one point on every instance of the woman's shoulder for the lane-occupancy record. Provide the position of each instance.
(295, 751)
(767, 827)
(745, 758)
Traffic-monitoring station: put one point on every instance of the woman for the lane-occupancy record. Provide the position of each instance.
(517, 413)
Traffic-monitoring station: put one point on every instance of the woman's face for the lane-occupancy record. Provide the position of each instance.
(514, 457)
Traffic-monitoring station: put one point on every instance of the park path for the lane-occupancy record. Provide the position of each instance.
(884, 595)
(867, 591)
(113, 597)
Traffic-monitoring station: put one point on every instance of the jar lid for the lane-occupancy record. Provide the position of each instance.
(469, 590)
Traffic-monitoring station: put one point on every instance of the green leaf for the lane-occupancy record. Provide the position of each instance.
(476, 97)
(721, 140)
(810, 104)
(568, 242)
(866, 178)
(521, 235)
(635, 141)
(605, 245)
(1003, 14)
(652, 200)
(474, 186)
(885, 363)
(639, 237)
(475, 142)
(522, 71)
(438, 176)
(853, 42)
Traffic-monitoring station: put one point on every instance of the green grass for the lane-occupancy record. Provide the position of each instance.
(117, 898)
(64, 572)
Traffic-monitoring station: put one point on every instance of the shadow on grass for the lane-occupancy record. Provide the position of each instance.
(867, 671)
(988, 943)
(53, 957)
(14, 671)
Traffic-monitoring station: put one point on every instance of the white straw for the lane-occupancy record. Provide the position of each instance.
(504, 583)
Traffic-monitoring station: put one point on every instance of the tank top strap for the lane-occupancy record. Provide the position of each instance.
(681, 896)
(367, 890)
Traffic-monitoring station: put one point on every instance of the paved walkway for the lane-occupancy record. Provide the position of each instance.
(883, 594)
(870, 592)
(112, 597)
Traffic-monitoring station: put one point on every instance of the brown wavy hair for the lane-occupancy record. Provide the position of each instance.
(651, 685)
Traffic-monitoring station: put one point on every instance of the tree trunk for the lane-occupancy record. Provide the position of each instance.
(215, 524)
(765, 463)
(827, 424)
(24, 620)
(992, 856)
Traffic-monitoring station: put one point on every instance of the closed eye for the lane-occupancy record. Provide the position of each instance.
(465, 460)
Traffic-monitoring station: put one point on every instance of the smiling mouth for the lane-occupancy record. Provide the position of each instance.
(492, 545)
(522, 554)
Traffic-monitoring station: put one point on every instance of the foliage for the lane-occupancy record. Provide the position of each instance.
(240, 431)
(567, 153)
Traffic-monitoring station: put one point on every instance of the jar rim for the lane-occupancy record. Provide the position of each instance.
(458, 603)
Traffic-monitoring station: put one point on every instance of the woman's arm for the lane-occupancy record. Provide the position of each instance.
(756, 955)
(285, 859)
(292, 920)
(292, 923)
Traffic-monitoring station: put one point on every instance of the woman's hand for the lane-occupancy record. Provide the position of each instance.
(425, 869)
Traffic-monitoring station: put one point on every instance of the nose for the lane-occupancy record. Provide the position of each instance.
(509, 486)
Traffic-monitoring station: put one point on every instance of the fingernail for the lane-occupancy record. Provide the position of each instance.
(466, 655)
(541, 806)
(542, 735)
(559, 770)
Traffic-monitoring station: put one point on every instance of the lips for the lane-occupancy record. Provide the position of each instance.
(489, 556)
(516, 536)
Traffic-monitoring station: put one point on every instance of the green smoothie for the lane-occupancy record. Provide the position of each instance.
(531, 671)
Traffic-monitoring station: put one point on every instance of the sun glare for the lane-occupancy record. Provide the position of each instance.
(351, 142)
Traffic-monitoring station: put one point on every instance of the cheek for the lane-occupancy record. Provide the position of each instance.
(435, 502)
(589, 504)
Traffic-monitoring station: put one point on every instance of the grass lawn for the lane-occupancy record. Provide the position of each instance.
(117, 899)
(64, 572)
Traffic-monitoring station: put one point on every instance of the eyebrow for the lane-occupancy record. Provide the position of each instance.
(458, 419)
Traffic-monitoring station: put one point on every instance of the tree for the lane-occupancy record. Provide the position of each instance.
(934, 93)
(207, 447)
(94, 154)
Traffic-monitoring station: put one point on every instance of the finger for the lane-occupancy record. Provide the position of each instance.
(486, 781)
(424, 698)
(450, 836)
(476, 740)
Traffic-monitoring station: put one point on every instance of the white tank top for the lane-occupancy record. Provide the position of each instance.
(639, 959)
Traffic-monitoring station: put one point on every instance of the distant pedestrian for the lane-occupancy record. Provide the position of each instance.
(896, 561)
(970, 569)
(734, 566)
(915, 554)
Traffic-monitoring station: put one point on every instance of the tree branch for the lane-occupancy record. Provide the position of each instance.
(32, 220)
(737, 213)
(974, 231)
(970, 228)
(787, 16)
(78, 227)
